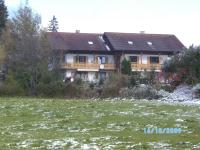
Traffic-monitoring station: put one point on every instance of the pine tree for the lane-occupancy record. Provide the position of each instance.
(126, 67)
(3, 15)
(53, 26)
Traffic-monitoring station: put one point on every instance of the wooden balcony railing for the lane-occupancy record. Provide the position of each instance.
(139, 67)
(87, 66)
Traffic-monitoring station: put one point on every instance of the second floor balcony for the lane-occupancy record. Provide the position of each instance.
(147, 67)
(88, 66)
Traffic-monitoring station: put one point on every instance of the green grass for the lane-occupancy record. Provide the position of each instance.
(27, 123)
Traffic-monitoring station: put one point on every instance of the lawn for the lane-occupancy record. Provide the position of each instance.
(27, 123)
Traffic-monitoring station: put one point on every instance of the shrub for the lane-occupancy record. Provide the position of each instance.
(11, 90)
(167, 87)
(127, 92)
(145, 92)
(113, 84)
(139, 92)
(10, 87)
(53, 89)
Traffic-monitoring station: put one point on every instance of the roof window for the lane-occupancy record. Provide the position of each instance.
(90, 43)
(130, 42)
(149, 43)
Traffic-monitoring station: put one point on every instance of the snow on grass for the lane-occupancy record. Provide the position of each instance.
(60, 143)
(89, 147)
(179, 120)
(25, 144)
(159, 145)
(95, 125)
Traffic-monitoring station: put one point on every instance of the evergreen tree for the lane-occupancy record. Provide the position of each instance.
(53, 26)
(126, 67)
(3, 15)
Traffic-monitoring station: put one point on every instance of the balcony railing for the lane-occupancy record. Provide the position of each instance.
(87, 66)
(139, 67)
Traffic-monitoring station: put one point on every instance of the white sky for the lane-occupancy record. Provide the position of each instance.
(178, 17)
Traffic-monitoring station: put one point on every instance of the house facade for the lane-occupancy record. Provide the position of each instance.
(94, 56)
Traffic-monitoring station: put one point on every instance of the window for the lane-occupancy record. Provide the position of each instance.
(134, 59)
(82, 75)
(130, 42)
(102, 60)
(154, 60)
(82, 59)
(102, 75)
(90, 43)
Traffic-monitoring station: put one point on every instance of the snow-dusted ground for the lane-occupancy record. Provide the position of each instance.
(183, 94)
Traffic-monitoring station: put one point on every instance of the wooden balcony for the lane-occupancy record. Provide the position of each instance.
(89, 66)
(141, 67)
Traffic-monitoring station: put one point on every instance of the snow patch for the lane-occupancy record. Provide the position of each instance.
(60, 143)
(183, 93)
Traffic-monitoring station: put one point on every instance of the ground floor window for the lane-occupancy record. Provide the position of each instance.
(82, 75)
(102, 75)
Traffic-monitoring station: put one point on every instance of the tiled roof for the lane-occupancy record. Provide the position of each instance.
(76, 41)
(143, 42)
(117, 42)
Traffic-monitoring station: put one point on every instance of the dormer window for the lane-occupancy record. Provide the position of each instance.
(130, 42)
(90, 43)
(149, 43)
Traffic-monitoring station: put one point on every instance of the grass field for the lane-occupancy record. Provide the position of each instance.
(27, 123)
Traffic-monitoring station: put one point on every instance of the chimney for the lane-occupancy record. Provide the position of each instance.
(78, 31)
(142, 32)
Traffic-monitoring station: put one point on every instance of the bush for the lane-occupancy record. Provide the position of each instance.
(113, 84)
(53, 89)
(139, 92)
(167, 87)
(10, 87)
(127, 92)
(11, 90)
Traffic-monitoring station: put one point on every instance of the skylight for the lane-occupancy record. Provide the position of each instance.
(130, 42)
(149, 43)
(90, 43)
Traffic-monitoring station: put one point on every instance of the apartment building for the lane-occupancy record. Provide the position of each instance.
(94, 56)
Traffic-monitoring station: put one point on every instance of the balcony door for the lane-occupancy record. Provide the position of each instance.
(102, 59)
(81, 59)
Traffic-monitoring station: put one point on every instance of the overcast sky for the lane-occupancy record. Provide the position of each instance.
(179, 17)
